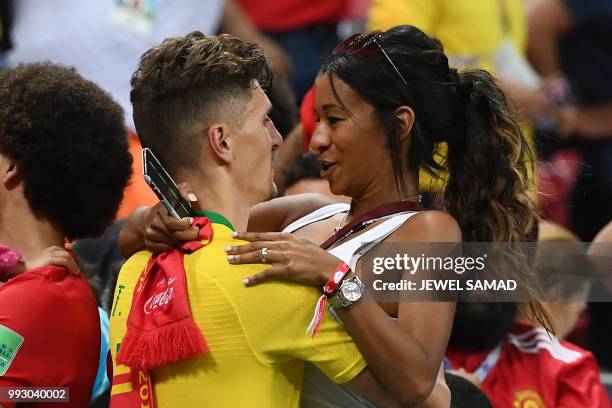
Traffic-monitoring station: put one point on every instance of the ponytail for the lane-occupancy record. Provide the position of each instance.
(487, 189)
(488, 158)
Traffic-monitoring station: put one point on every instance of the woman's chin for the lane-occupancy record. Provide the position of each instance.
(337, 188)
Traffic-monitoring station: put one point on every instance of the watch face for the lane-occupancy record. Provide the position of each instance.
(351, 291)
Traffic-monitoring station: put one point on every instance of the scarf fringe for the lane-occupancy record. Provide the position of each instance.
(170, 343)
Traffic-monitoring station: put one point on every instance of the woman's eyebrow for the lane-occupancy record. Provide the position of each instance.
(331, 106)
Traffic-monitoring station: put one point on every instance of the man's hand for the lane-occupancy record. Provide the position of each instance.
(54, 255)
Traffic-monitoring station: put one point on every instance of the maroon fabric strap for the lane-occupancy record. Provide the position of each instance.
(364, 220)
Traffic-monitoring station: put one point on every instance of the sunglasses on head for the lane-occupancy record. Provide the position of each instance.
(360, 44)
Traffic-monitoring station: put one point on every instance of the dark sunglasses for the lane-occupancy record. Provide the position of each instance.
(359, 43)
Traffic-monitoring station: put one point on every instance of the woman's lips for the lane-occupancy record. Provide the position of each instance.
(327, 169)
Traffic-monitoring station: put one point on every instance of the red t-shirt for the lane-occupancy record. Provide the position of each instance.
(536, 371)
(286, 15)
(49, 334)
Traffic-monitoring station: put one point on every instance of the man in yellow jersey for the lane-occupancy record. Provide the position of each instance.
(199, 105)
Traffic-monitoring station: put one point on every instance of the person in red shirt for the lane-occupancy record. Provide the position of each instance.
(518, 365)
(64, 162)
(305, 29)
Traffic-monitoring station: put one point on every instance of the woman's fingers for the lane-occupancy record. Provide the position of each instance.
(169, 230)
(154, 235)
(260, 277)
(173, 224)
(156, 247)
(188, 235)
(263, 236)
(252, 247)
(256, 257)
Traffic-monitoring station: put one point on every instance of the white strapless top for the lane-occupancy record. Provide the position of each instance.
(352, 249)
(318, 390)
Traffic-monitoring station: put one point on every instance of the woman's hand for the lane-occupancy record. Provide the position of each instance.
(292, 259)
(161, 231)
(153, 229)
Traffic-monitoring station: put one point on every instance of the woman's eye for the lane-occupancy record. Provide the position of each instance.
(333, 120)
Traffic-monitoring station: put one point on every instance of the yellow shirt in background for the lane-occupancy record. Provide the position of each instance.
(471, 31)
(256, 335)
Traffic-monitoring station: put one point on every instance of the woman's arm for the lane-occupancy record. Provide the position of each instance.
(276, 214)
(151, 228)
(405, 355)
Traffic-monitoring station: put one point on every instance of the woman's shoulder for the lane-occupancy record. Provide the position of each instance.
(428, 226)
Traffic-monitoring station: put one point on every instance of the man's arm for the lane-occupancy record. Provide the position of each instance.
(547, 20)
(593, 122)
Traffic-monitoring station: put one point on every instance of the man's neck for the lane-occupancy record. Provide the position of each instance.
(22, 231)
(222, 197)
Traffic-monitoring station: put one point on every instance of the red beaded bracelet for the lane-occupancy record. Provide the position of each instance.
(328, 290)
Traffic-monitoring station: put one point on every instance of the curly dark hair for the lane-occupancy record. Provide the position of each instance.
(185, 83)
(68, 139)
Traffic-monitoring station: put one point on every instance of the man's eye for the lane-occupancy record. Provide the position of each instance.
(333, 120)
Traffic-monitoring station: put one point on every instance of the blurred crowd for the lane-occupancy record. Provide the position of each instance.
(552, 58)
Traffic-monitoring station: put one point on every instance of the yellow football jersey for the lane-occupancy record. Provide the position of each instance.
(256, 335)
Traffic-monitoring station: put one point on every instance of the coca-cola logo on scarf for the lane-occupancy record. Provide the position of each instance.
(164, 292)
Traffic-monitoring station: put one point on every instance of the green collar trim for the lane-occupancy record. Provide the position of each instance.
(216, 218)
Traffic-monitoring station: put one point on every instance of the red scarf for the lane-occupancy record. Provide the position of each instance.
(160, 327)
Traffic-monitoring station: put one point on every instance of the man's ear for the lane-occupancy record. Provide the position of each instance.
(220, 143)
(405, 115)
(11, 176)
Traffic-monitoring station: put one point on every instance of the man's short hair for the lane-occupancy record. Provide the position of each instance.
(187, 83)
(69, 141)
